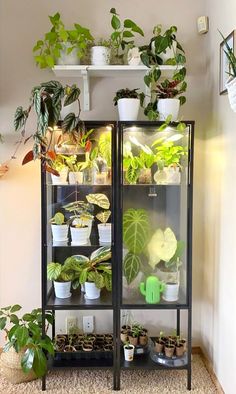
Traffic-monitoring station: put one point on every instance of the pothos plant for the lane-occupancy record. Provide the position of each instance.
(25, 334)
(46, 100)
(168, 154)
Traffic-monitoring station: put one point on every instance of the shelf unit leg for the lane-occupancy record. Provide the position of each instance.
(44, 383)
(178, 322)
(189, 377)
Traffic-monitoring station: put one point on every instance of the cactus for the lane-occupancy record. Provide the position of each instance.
(152, 289)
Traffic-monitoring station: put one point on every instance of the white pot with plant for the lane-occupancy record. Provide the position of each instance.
(101, 53)
(128, 102)
(104, 229)
(96, 272)
(61, 276)
(171, 292)
(128, 352)
(59, 228)
(168, 158)
(61, 171)
(75, 175)
(168, 48)
(81, 221)
(62, 46)
(231, 83)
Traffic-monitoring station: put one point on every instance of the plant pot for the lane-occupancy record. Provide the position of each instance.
(59, 232)
(100, 178)
(100, 55)
(231, 88)
(91, 291)
(104, 231)
(167, 276)
(171, 292)
(169, 351)
(145, 176)
(66, 59)
(124, 336)
(85, 222)
(168, 106)
(10, 366)
(133, 340)
(79, 235)
(184, 343)
(129, 352)
(179, 350)
(143, 340)
(62, 289)
(76, 178)
(159, 347)
(89, 175)
(61, 179)
(128, 108)
(168, 176)
(133, 57)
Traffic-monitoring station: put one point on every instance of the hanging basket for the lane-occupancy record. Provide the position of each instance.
(231, 88)
(10, 367)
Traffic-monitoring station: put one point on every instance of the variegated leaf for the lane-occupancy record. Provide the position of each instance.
(99, 199)
(103, 216)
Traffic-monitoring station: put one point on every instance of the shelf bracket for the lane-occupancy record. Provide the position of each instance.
(86, 85)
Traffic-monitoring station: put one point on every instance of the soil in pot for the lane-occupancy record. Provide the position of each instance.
(169, 350)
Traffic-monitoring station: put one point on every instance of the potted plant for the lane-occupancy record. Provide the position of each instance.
(169, 348)
(124, 333)
(231, 83)
(128, 102)
(75, 175)
(80, 221)
(122, 35)
(89, 166)
(59, 165)
(24, 355)
(128, 351)
(104, 228)
(59, 227)
(159, 343)
(168, 159)
(96, 272)
(75, 143)
(62, 276)
(101, 52)
(104, 149)
(62, 46)
(179, 347)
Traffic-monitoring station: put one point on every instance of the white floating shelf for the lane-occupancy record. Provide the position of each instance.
(87, 71)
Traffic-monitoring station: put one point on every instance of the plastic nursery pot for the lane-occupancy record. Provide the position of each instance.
(171, 292)
(133, 57)
(129, 352)
(61, 179)
(104, 231)
(128, 108)
(168, 106)
(100, 178)
(79, 235)
(169, 350)
(76, 178)
(91, 291)
(143, 340)
(133, 340)
(62, 289)
(145, 176)
(159, 346)
(69, 348)
(100, 55)
(59, 232)
(179, 350)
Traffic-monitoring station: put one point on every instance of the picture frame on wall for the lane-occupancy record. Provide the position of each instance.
(224, 63)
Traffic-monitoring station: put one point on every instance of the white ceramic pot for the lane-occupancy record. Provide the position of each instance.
(76, 178)
(61, 179)
(100, 55)
(128, 108)
(68, 59)
(168, 106)
(62, 289)
(129, 353)
(133, 57)
(79, 236)
(168, 176)
(100, 178)
(91, 291)
(86, 222)
(104, 231)
(59, 232)
(171, 292)
(231, 88)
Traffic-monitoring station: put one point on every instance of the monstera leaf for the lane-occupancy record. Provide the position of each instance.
(131, 267)
(162, 246)
(135, 229)
(98, 199)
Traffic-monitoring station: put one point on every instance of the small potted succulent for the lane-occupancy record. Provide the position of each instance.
(96, 272)
(80, 221)
(101, 52)
(62, 46)
(62, 276)
(128, 102)
(59, 227)
(128, 351)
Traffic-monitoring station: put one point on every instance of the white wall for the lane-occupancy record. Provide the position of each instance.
(218, 319)
(21, 24)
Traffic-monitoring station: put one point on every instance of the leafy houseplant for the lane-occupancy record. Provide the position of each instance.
(96, 272)
(59, 44)
(104, 228)
(128, 102)
(24, 335)
(231, 83)
(80, 221)
(62, 275)
(59, 227)
(123, 34)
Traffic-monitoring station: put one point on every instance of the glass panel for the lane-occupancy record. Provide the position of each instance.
(79, 219)
(155, 185)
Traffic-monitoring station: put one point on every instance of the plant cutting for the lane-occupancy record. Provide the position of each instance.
(168, 158)
(179, 347)
(104, 228)
(128, 351)
(169, 348)
(75, 175)
(128, 102)
(76, 143)
(122, 36)
(80, 221)
(231, 83)
(101, 52)
(62, 46)
(159, 343)
(59, 227)
(25, 343)
(96, 272)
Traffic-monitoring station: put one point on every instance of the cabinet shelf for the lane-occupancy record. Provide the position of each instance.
(78, 301)
(88, 71)
(85, 364)
(145, 362)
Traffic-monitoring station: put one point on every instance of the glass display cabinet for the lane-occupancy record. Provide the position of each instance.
(117, 235)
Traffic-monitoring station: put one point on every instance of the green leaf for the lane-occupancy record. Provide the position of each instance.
(98, 199)
(132, 174)
(101, 254)
(14, 319)
(113, 10)
(136, 229)
(3, 322)
(99, 280)
(54, 271)
(27, 360)
(39, 363)
(19, 118)
(50, 61)
(128, 23)
(131, 267)
(128, 33)
(145, 59)
(108, 281)
(69, 123)
(15, 308)
(22, 336)
(147, 80)
(72, 95)
(115, 22)
(27, 317)
(83, 276)
(182, 100)
(11, 333)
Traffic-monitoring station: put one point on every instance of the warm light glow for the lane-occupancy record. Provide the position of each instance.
(175, 137)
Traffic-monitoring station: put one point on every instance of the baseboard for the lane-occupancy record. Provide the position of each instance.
(209, 367)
